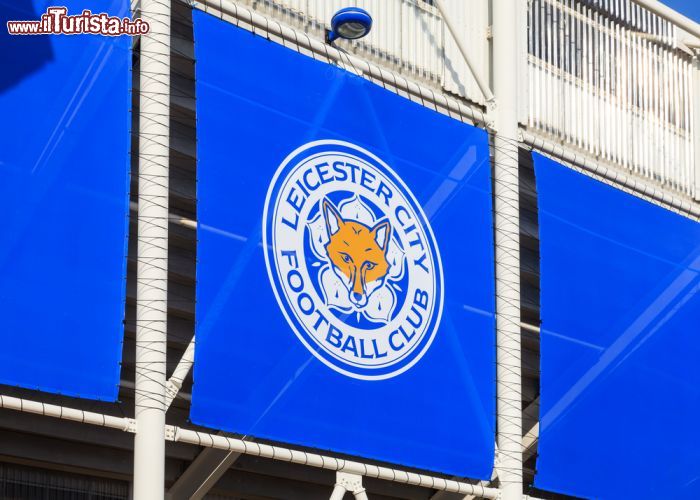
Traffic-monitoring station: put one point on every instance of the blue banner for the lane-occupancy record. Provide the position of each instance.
(620, 386)
(64, 164)
(345, 294)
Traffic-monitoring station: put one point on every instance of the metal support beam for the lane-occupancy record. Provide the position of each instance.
(478, 77)
(530, 441)
(531, 421)
(174, 384)
(65, 413)
(236, 445)
(442, 495)
(152, 256)
(338, 492)
(202, 474)
(507, 26)
(695, 94)
(348, 472)
(671, 15)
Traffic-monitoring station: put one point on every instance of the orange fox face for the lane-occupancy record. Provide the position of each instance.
(357, 253)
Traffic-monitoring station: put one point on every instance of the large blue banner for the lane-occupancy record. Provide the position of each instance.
(620, 387)
(345, 292)
(64, 160)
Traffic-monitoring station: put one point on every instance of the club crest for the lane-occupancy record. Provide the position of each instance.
(352, 260)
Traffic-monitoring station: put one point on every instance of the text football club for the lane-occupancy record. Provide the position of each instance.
(352, 260)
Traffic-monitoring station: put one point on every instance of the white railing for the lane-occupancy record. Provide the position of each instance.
(408, 36)
(608, 77)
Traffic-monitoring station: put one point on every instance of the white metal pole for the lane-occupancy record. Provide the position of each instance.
(506, 25)
(152, 243)
(695, 124)
(671, 15)
(65, 413)
(220, 442)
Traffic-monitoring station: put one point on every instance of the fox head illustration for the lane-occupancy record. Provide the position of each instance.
(357, 253)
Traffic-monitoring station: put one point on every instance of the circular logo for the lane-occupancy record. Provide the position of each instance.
(352, 260)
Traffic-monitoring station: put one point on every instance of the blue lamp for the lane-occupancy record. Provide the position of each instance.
(349, 23)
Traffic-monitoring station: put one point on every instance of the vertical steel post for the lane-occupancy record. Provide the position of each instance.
(152, 242)
(505, 64)
(695, 121)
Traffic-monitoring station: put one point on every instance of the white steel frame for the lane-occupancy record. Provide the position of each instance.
(508, 26)
(154, 393)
